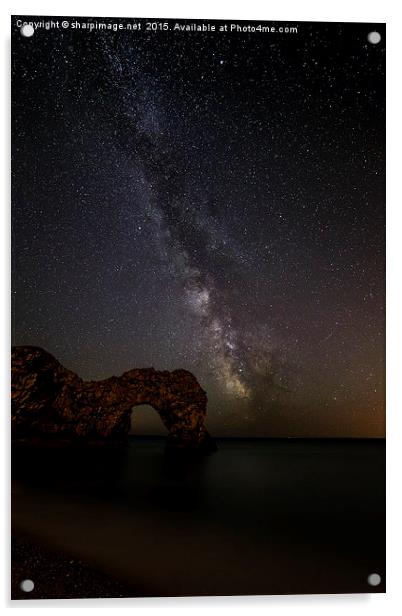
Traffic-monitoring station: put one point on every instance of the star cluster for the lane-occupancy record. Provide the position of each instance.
(212, 202)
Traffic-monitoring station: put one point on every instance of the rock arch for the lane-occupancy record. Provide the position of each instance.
(49, 401)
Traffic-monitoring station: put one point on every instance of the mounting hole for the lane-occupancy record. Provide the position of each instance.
(374, 579)
(27, 585)
(374, 37)
(27, 30)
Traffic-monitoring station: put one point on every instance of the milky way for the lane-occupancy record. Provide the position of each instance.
(211, 202)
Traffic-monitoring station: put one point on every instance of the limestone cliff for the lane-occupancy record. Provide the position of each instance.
(51, 402)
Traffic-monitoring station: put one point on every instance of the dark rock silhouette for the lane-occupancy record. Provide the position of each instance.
(53, 403)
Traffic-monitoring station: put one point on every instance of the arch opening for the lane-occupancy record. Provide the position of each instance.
(145, 421)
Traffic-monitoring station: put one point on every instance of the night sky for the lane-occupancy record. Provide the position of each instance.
(208, 201)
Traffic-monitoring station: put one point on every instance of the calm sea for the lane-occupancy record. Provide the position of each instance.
(259, 516)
